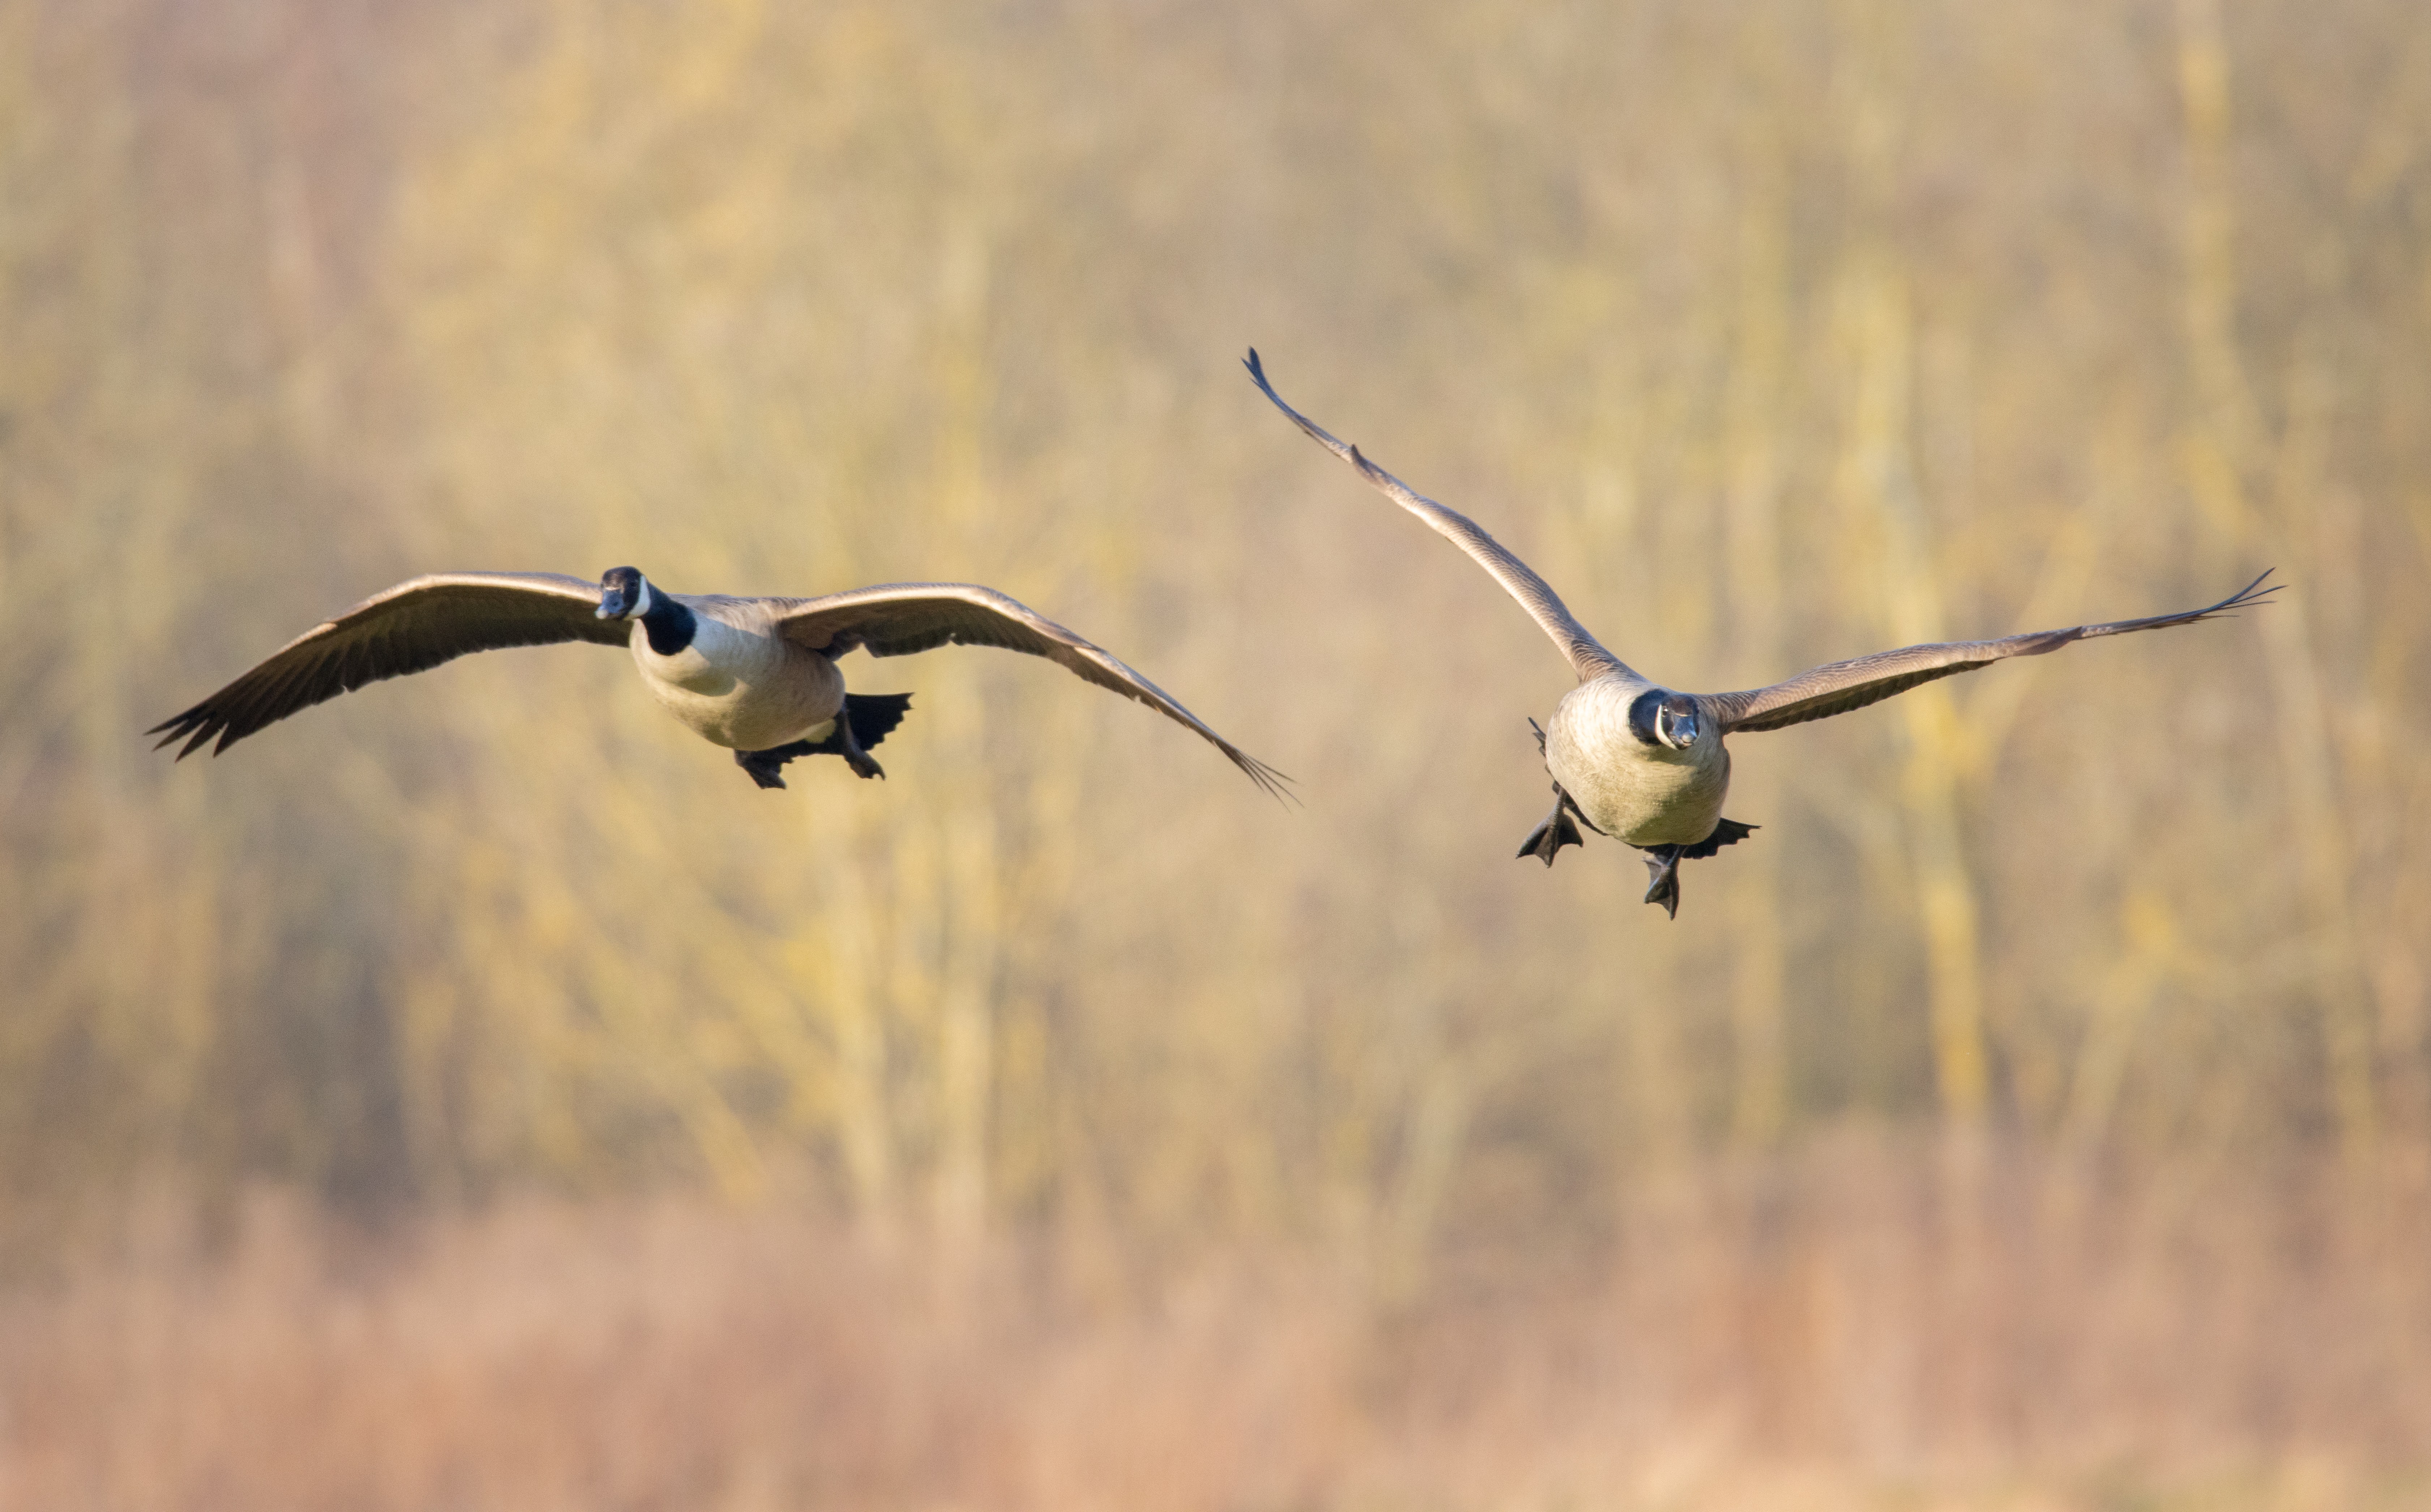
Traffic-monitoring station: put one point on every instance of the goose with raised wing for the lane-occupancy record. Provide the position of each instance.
(757, 675)
(1645, 764)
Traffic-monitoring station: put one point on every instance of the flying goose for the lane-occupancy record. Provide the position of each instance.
(1644, 764)
(755, 675)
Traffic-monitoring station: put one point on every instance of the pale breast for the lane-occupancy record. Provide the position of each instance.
(740, 688)
(1645, 795)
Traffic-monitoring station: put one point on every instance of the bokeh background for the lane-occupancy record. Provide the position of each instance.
(477, 1094)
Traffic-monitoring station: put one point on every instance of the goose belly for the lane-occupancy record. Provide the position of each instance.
(744, 692)
(1645, 795)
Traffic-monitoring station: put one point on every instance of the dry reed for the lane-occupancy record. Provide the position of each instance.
(1866, 1325)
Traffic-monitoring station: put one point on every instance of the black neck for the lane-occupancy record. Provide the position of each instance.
(1641, 716)
(670, 624)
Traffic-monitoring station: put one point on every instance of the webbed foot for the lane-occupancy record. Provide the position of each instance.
(863, 721)
(1663, 861)
(767, 768)
(867, 719)
(1663, 872)
(1546, 841)
(1560, 826)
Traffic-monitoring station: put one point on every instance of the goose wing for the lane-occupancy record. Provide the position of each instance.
(900, 618)
(411, 627)
(1824, 691)
(1589, 659)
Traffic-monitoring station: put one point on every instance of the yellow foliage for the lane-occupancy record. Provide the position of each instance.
(1771, 332)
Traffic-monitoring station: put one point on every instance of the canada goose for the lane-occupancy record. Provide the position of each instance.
(1644, 764)
(755, 675)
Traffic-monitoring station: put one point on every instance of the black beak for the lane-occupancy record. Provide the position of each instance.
(615, 600)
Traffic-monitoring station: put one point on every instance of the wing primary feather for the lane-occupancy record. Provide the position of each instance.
(2248, 596)
(1586, 655)
(1839, 687)
(899, 619)
(411, 627)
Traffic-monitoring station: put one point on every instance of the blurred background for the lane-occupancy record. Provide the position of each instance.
(476, 1094)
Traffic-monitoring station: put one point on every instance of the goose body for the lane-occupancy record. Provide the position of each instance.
(1641, 794)
(1645, 764)
(732, 676)
(758, 676)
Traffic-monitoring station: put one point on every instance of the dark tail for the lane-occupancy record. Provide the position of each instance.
(872, 716)
(1726, 832)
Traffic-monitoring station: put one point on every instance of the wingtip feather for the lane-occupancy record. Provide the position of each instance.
(2250, 597)
(1279, 784)
(1266, 777)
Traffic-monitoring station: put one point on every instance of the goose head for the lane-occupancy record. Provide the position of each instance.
(1663, 718)
(624, 593)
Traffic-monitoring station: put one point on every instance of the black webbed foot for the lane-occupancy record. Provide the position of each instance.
(1663, 861)
(767, 766)
(1546, 841)
(1560, 826)
(1663, 872)
(865, 720)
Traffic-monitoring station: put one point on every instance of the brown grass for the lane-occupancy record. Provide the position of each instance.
(1862, 1326)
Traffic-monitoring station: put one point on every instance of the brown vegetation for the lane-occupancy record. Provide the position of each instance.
(1814, 1332)
(1774, 332)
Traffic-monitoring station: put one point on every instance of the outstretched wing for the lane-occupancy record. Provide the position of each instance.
(900, 618)
(1845, 685)
(1590, 659)
(411, 628)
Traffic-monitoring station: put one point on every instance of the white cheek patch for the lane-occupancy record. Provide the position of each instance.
(642, 603)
